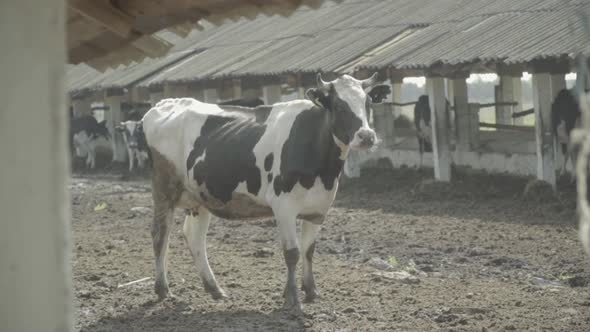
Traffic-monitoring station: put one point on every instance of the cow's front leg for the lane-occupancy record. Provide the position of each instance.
(309, 232)
(195, 232)
(286, 221)
(130, 154)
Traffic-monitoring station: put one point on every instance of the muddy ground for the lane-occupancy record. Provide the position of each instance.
(477, 255)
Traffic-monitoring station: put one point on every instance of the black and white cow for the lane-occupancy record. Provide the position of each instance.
(565, 116)
(423, 126)
(85, 131)
(234, 163)
(134, 138)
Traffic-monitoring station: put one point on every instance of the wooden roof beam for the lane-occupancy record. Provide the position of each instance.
(104, 14)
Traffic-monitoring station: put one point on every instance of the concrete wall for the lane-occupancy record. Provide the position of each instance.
(35, 276)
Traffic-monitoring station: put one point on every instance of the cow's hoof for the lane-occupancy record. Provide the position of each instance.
(292, 301)
(311, 295)
(163, 292)
(216, 292)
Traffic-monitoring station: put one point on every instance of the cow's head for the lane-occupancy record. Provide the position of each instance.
(346, 99)
(132, 132)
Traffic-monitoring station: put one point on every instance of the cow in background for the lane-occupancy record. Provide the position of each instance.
(423, 126)
(134, 138)
(565, 116)
(85, 131)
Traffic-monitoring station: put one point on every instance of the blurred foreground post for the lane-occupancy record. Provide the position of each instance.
(35, 283)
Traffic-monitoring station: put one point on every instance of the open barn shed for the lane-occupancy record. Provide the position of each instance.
(276, 58)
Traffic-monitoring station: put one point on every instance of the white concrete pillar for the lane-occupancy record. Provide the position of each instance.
(82, 106)
(542, 98)
(155, 97)
(505, 93)
(114, 118)
(460, 101)
(210, 96)
(396, 95)
(236, 88)
(517, 97)
(440, 131)
(272, 93)
(35, 240)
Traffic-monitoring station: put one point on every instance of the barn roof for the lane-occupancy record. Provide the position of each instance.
(107, 33)
(401, 34)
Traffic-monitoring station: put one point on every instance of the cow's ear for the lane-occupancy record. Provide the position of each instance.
(379, 93)
(318, 97)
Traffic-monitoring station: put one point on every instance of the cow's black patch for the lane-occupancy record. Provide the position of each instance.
(309, 152)
(268, 162)
(565, 109)
(346, 123)
(228, 142)
(269, 177)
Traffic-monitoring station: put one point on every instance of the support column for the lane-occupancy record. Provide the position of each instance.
(542, 98)
(155, 97)
(113, 100)
(505, 93)
(237, 88)
(474, 125)
(210, 96)
(517, 97)
(272, 93)
(460, 101)
(81, 107)
(440, 131)
(35, 273)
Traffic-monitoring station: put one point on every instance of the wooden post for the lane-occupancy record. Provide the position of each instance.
(542, 98)
(462, 114)
(440, 130)
(272, 93)
(113, 100)
(35, 272)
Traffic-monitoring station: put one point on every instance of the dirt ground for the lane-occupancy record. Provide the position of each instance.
(397, 252)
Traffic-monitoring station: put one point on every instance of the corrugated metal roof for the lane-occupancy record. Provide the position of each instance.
(404, 34)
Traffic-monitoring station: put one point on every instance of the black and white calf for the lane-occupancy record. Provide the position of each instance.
(282, 161)
(85, 131)
(565, 116)
(134, 138)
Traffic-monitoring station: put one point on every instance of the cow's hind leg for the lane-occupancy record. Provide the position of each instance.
(309, 233)
(160, 235)
(286, 221)
(195, 232)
